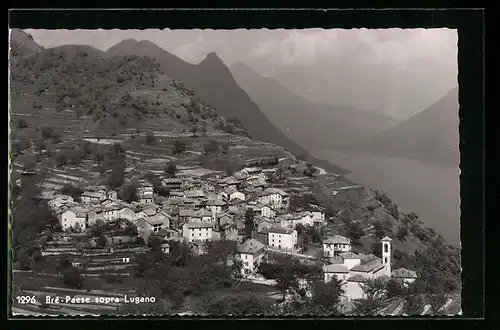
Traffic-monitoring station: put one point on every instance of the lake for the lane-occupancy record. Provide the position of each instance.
(430, 190)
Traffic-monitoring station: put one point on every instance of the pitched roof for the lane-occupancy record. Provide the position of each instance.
(198, 224)
(404, 273)
(250, 246)
(357, 278)
(335, 268)
(215, 202)
(271, 191)
(370, 266)
(279, 230)
(349, 255)
(337, 239)
(92, 194)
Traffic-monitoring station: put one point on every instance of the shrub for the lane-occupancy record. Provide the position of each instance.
(73, 278)
(21, 123)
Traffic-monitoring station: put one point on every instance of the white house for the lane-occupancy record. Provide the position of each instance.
(353, 287)
(249, 171)
(197, 231)
(152, 225)
(335, 245)
(404, 275)
(75, 217)
(145, 192)
(215, 206)
(292, 220)
(172, 183)
(350, 259)
(282, 238)
(59, 201)
(201, 215)
(317, 213)
(267, 212)
(251, 253)
(165, 247)
(235, 194)
(338, 271)
(89, 197)
(276, 198)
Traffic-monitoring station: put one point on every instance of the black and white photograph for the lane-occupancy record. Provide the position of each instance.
(244, 172)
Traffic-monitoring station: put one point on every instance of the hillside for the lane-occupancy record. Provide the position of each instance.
(212, 81)
(313, 125)
(431, 135)
(85, 119)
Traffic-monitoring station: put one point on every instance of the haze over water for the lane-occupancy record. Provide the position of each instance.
(430, 190)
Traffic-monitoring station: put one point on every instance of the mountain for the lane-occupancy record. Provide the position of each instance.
(212, 81)
(431, 135)
(313, 125)
(22, 43)
(386, 88)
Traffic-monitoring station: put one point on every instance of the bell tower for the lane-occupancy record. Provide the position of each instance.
(386, 255)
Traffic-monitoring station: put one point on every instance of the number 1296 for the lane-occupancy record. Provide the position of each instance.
(26, 299)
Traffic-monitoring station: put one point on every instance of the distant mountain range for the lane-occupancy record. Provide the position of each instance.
(431, 135)
(315, 126)
(212, 81)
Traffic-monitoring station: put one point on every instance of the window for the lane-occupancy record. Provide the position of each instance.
(385, 260)
(246, 264)
(199, 234)
(386, 247)
(246, 256)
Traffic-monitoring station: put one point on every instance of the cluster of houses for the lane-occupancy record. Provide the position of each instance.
(213, 208)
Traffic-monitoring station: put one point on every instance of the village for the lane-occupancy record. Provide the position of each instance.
(208, 208)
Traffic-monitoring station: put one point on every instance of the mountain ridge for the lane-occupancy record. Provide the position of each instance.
(431, 135)
(212, 80)
(317, 126)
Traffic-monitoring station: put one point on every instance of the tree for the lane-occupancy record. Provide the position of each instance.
(117, 175)
(73, 278)
(118, 151)
(237, 303)
(40, 144)
(101, 241)
(286, 279)
(327, 295)
(354, 231)
(21, 123)
(128, 193)
(193, 129)
(203, 130)
(395, 289)
(211, 147)
(73, 191)
(374, 290)
(170, 169)
(436, 301)
(29, 164)
(402, 232)
(154, 243)
(150, 138)
(61, 159)
(414, 304)
(179, 147)
(309, 170)
(47, 132)
(249, 222)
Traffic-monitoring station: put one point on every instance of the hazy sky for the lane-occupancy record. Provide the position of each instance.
(425, 56)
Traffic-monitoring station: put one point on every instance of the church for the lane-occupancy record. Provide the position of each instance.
(354, 269)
